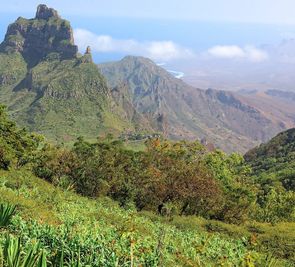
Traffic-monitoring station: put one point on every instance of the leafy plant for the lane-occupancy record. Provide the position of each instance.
(15, 256)
(6, 213)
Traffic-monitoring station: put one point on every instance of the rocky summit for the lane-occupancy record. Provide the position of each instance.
(37, 38)
(50, 88)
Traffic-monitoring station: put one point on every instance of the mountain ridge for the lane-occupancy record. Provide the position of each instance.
(189, 112)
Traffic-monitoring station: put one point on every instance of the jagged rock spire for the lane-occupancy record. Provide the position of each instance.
(37, 38)
(88, 50)
(87, 58)
(44, 12)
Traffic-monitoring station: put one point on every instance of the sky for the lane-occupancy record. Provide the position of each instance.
(168, 30)
(249, 11)
(171, 31)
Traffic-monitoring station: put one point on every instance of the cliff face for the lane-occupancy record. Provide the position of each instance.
(51, 89)
(37, 38)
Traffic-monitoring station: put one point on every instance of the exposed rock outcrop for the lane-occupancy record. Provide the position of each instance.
(87, 58)
(88, 50)
(43, 12)
(36, 38)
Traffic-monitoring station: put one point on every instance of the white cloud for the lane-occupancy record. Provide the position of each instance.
(230, 51)
(167, 50)
(156, 50)
(249, 53)
(255, 54)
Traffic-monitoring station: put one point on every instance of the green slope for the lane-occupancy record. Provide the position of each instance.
(275, 161)
(97, 232)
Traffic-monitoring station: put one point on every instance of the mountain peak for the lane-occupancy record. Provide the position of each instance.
(141, 70)
(138, 60)
(88, 50)
(36, 38)
(44, 12)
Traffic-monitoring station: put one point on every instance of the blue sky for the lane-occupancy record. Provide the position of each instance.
(250, 11)
(168, 30)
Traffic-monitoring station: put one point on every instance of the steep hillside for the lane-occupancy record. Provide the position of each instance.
(181, 111)
(275, 160)
(50, 88)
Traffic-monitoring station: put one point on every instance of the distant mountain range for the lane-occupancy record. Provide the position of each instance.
(182, 111)
(277, 105)
(52, 89)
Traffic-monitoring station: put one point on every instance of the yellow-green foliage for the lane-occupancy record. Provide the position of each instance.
(171, 177)
(101, 224)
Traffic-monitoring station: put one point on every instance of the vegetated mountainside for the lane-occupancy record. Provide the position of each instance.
(45, 222)
(50, 88)
(183, 112)
(275, 161)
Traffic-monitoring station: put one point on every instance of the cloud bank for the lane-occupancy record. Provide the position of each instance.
(249, 53)
(156, 50)
(163, 50)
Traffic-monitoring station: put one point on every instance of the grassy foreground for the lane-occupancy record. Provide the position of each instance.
(71, 230)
